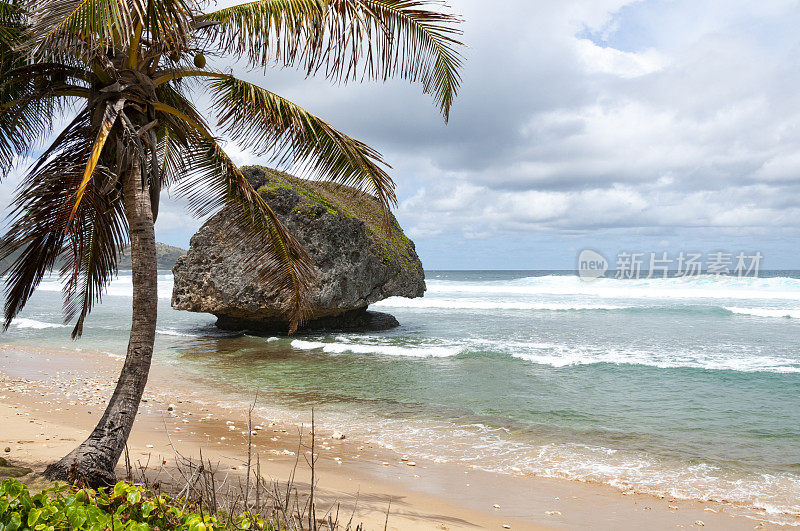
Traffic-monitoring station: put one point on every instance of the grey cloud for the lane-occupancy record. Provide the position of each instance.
(585, 115)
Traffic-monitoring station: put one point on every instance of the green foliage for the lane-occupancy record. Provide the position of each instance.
(125, 507)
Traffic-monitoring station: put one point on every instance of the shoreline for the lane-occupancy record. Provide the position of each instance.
(428, 495)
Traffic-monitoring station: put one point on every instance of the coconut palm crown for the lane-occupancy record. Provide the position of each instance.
(114, 81)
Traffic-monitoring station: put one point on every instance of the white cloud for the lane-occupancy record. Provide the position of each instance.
(784, 167)
(485, 212)
(665, 116)
(608, 60)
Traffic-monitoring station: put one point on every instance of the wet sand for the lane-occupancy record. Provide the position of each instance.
(51, 398)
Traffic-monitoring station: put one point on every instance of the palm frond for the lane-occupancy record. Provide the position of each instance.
(171, 154)
(174, 135)
(286, 32)
(97, 236)
(60, 28)
(12, 132)
(40, 214)
(349, 39)
(27, 115)
(57, 26)
(12, 29)
(407, 39)
(198, 125)
(280, 262)
(31, 96)
(43, 72)
(170, 23)
(110, 117)
(172, 74)
(201, 171)
(45, 235)
(265, 122)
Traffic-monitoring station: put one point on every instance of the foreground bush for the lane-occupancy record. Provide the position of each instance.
(126, 507)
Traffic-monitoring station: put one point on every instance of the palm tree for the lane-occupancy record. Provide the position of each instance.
(123, 73)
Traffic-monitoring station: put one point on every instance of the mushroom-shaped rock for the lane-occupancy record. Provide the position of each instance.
(358, 261)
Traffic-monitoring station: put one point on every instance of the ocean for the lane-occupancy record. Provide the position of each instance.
(687, 388)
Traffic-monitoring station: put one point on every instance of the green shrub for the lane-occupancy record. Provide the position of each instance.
(126, 507)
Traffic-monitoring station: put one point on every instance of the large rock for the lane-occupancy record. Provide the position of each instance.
(358, 263)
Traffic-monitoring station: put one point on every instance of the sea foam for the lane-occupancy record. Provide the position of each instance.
(384, 350)
(700, 287)
(559, 355)
(566, 357)
(477, 304)
(21, 322)
(793, 313)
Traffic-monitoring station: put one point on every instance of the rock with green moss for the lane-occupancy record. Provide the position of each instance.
(8, 470)
(358, 260)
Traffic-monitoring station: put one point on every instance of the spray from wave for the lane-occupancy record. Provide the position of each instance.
(700, 287)
(788, 313)
(21, 322)
(384, 350)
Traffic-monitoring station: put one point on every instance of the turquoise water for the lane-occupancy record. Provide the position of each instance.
(684, 387)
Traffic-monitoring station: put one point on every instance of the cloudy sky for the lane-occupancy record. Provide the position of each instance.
(654, 125)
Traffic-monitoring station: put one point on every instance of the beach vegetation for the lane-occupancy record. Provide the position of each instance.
(123, 507)
(188, 495)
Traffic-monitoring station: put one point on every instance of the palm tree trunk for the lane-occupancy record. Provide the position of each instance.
(94, 461)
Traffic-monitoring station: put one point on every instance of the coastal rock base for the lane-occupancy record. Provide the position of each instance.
(353, 321)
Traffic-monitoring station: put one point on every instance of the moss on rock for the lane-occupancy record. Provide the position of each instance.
(10, 471)
(339, 200)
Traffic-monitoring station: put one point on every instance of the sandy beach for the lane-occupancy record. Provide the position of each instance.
(50, 398)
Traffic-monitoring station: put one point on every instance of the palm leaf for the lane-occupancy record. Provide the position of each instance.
(202, 172)
(12, 28)
(110, 117)
(265, 122)
(64, 28)
(348, 39)
(40, 215)
(267, 31)
(97, 237)
(174, 135)
(169, 23)
(29, 103)
(408, 40)
(46, 233)
(58, 26)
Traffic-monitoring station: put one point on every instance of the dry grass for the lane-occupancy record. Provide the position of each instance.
(205, 486)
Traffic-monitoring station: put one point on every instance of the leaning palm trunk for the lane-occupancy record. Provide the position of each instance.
(93, 462)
